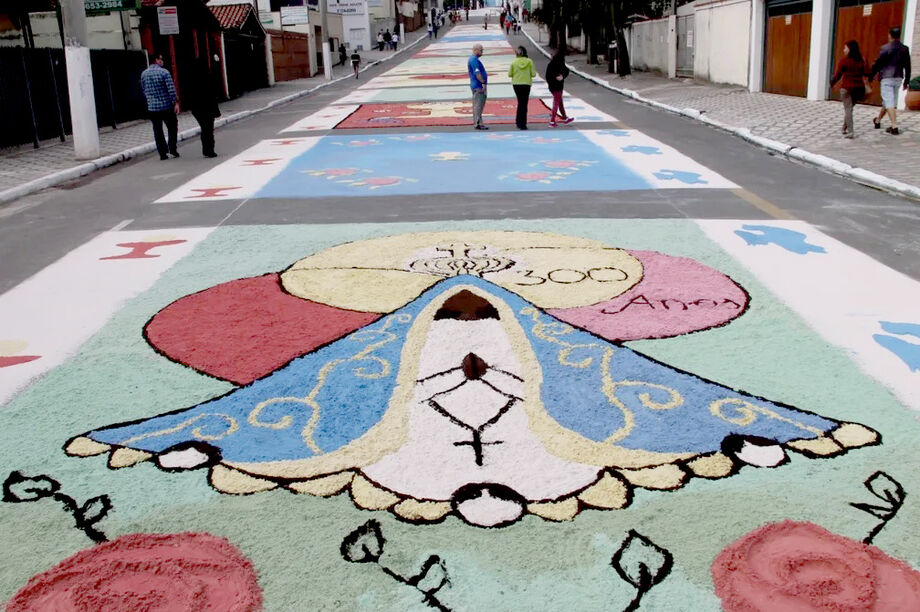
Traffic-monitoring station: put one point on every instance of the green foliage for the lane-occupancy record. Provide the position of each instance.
(914, 84)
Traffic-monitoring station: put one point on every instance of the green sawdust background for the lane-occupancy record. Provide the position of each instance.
(294, 540)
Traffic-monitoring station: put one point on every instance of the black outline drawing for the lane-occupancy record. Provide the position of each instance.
(890, 492)
(369, 538)
(41, 487)
(646, 579)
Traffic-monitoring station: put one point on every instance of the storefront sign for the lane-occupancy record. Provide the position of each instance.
(294, 15)
(168, 20)
(347, 7)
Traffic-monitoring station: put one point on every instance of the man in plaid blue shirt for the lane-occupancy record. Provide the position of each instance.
(162, 106)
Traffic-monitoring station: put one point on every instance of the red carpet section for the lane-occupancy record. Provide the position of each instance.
(244, 329)
(431, 114)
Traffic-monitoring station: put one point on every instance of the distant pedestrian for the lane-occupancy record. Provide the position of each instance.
(467, 14)
(162, 105)
(395, 41)
(508, 20)
(893, 70)
(522, 73)
(479, 79)
(355, 62)
(343, 54)
(202, 101)
(380, 40)
(853, 76)
(430, 30)
(485, 21)
(387, 38)
(556, 73)
(436, 28)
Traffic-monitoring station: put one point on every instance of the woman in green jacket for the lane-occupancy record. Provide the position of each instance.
(522, 73)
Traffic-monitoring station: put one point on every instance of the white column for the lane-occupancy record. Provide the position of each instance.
(223, 64)
(269, 60)
(822, 19)
(758, 25)
(80, 81)
(672, 46)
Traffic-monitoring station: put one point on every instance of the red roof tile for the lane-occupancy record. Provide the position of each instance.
(231, 15)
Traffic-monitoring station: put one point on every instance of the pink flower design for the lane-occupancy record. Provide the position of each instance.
(340, 171)
(531, 176)
(147, 571)
(799, 567)
(561, 163)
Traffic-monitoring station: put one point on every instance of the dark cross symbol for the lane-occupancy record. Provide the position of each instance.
(210, 192)
(261, 162)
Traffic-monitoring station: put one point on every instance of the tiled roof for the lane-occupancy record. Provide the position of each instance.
(231, 15)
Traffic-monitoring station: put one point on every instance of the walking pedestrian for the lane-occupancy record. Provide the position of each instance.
(436, 28)
(355, 62)
(395, 41)
(479, 79)
(485, 21)
(556, 73)
(430, 30)
(522, 73)
(202, 101)
(508, 20)
(380, 40)
(853, 76)
(343, 54)
(162, 105)
(893, 70)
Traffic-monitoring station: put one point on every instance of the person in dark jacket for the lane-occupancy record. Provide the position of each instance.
(893, 70)
(556, 73)
(853, 76)
(202, 98)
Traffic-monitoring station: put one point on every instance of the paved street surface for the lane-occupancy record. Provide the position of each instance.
(814, 125)
(373, 359)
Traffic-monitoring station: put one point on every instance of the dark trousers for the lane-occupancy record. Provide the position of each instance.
(206, 121)
(158, 118)
(523, 94)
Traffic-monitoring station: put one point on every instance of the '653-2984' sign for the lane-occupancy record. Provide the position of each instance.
(104, 6)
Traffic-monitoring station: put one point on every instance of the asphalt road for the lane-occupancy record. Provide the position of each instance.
(39, 229)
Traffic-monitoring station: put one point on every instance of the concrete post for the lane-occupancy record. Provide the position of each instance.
(402, 33)
(80, 81)
(269, 60)
(223, 65)
(819, 58)
(324, 32)
(672, 46)
(755, 68)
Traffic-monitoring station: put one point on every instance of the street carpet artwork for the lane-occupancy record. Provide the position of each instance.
(612, 415)
(398, 164)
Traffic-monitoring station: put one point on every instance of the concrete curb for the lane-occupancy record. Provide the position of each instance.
(69, 174)
(859, 175)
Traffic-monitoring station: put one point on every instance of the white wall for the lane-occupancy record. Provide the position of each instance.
(648, 45)
(722, 41)
(104, 32)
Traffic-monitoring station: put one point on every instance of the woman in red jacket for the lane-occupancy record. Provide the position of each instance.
(852, 73)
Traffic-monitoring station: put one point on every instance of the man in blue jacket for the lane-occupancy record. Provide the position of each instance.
(162, 105)
(478, 80)
(893, 69)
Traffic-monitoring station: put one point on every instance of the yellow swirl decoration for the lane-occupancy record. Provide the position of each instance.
(383, 369)
(228, 421)
(609, 387)
(549, 331)
(747, 413)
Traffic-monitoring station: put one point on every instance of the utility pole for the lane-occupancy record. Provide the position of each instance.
(80, 81)
(324, 32)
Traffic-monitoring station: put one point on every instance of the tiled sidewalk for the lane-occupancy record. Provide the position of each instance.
(25, 163)
(812, 125)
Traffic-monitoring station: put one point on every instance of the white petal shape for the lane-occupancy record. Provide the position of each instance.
(761, 456)
(489, 511)
(185, 459)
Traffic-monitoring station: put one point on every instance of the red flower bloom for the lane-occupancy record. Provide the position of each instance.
(147, 572)
(795, 567)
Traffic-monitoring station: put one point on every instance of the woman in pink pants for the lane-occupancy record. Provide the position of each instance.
(556, 71)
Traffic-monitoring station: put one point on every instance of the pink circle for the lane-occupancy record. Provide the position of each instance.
(676, 296)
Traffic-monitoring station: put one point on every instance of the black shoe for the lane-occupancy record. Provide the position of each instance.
(481, 127)
(174, 153)
(877, 123)
(523, 127)
(211, 154)
(893, 131)
(164, 157)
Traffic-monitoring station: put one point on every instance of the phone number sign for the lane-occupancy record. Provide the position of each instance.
(105, 6)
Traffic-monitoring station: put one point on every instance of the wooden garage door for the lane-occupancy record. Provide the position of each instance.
(788, 39)
(867, 24)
